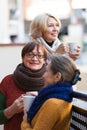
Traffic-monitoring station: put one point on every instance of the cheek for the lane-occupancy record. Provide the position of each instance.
(45, 75)
(43, 61)
(24, 60)
(48, 79)
(46, 33)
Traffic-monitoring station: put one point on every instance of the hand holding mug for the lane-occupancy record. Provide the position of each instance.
(75, 49)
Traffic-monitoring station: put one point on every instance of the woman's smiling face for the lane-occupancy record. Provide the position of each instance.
(34, 60)
(52, 30)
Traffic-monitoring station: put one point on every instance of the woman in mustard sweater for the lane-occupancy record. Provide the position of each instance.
(51, 109)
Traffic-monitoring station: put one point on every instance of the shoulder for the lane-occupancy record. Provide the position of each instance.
(51, 103)
(5, 82)
(54, 101)
(7, 78)
(55, 108)
(55, 104)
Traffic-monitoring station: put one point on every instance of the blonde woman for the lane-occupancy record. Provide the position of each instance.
(45, 28)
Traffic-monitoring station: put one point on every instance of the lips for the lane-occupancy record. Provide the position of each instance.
(55, 34)
(34, 63)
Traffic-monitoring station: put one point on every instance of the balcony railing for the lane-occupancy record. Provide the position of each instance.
(79, 114)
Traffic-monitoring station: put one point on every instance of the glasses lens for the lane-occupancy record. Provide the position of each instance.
(39, 56)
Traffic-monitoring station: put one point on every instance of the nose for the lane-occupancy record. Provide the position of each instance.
(35, 57)
(55, 27)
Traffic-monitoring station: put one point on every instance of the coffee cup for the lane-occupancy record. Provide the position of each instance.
(28, 100)
(73, 46)
(33, 93)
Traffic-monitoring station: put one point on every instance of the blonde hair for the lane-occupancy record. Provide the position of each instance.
(39, 24)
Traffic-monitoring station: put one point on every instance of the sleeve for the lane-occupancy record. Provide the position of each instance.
(3, 85)
(3, 119)
(48, 116)
(25, 125)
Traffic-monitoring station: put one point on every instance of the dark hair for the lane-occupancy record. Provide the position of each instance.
(67, 67)
(29, 47)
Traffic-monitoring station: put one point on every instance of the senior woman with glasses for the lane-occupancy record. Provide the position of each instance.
(26, 77)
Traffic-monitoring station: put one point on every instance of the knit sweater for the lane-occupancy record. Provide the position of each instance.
(55, 114)
(9, 92)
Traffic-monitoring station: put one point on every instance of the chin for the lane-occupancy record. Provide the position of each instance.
(34, 69)
(54, 39)
(46, 84)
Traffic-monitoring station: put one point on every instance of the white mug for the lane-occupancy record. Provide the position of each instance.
(28, 100)
(33, 93)
(73, 46)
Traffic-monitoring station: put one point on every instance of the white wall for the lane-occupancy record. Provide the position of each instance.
(10, 57)
(4, 21)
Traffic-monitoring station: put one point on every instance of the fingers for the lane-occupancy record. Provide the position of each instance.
(78, 50)
(74, 56)
(18, 105)
(63, 48)
(66, 48)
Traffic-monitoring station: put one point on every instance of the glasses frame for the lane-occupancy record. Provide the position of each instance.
(31, 56)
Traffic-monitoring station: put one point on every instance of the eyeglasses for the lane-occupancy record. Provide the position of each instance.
(31, 55)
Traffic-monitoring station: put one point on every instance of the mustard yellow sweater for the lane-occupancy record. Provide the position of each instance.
(55, 114)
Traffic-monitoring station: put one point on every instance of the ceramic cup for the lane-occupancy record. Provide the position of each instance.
(33, 93)
(28, 100)
(73, 46)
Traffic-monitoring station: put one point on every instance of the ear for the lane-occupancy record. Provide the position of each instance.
(58, 77)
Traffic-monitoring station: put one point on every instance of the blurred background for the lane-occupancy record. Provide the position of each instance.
(16, 16)
(15, 19)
